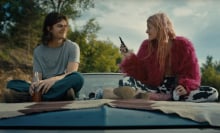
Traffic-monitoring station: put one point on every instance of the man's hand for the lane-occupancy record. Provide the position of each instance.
(32, 87)
(45, 85)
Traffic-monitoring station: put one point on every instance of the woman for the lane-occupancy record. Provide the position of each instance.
(56, 60)
(165, 67)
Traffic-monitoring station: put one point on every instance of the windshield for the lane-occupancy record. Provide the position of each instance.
(93, 82)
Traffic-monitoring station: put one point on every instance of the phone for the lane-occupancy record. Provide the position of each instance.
(123, 47)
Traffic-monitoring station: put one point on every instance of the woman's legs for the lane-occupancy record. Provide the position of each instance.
(163, 92)
(132, 88)
(137, 85)
(109, 94)
(203, 94)
(128, 89)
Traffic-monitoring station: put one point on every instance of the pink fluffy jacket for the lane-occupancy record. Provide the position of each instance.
(184, 65)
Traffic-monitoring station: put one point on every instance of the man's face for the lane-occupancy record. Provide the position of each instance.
(59, 30)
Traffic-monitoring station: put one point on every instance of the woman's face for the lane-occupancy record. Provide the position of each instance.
(59, 30)
(151, 31)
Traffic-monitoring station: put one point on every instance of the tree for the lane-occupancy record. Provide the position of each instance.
(209, 63)
(71, 8)
(5, 15)
(101, 56)
(22, 19)
(210, 73)
(96, 56)
(23, 22)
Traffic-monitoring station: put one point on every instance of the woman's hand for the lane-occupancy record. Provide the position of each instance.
(180, 90)
(127, 54)
(123, 49)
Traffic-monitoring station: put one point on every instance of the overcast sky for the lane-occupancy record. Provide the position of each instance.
(198, 20)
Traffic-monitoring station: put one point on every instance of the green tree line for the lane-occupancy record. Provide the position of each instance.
(20, 27)
(211, 73)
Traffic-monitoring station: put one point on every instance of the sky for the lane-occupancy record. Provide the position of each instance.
(198, 20)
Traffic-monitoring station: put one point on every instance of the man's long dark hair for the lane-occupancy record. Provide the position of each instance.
(51, 19)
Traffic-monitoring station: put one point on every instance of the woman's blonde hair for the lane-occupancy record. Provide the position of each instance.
(165, 32)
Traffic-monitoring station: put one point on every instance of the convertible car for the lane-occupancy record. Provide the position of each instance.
(106, 115)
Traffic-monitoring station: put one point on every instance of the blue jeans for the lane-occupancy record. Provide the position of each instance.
(73, 80)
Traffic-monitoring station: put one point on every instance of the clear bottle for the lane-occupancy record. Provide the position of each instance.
(37, 94)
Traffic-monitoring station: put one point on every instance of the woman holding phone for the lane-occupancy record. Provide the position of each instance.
(165, 67)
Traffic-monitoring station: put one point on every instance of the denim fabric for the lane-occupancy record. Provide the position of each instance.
(73, 80)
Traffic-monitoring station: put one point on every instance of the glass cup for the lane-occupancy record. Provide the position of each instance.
(37, 95)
